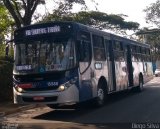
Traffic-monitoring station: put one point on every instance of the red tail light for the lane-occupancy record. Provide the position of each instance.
(24, 86)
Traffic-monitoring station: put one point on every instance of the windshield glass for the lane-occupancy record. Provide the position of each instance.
(44, 56)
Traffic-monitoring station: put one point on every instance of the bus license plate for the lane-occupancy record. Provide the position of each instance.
(38, 98)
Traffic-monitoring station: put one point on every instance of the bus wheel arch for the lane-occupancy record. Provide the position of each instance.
(101, 92)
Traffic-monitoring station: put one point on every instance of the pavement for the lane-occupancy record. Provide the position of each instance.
(9, 107)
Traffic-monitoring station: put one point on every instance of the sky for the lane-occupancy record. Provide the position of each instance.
(132, 8)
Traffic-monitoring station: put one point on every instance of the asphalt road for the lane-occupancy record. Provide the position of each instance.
(123, 110)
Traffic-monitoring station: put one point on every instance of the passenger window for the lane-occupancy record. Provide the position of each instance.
(85, 51)
(99, 49)
(107, 47)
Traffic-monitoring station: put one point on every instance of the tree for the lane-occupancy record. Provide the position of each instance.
(153, 13)
(5, 22)
(152, 37)
(95, 19)
(153, 40)
(22, 11)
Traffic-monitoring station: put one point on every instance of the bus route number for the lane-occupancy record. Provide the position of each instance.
(52, 84)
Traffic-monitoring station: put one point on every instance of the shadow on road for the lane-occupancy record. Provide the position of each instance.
(120, 111)
(123, 107)
(74, 115)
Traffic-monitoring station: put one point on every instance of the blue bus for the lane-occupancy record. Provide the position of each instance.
(65, 63)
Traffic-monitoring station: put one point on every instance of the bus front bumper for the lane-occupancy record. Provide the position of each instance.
(68, 96)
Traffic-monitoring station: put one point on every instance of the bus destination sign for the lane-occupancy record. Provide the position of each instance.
(39, 31)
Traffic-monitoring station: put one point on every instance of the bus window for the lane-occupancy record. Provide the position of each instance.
(99, 49)
(116, 45)
(143, 51)
(85, 51)
(134, 49)
(121, 46)
(84, 47)
(107, 47)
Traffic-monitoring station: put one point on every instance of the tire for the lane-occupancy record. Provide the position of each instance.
(52, 106)
(101, 96)
(140, 88)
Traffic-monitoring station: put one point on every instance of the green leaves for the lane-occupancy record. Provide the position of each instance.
(22, 10)
(152, 37)
(153, 40)
(5, 22)
(153, 13)
(95, 19)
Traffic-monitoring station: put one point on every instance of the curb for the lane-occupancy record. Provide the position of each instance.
(19, 109)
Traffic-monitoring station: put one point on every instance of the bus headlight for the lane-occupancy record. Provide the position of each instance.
(19, 89)
(61, 88)
(64, 86)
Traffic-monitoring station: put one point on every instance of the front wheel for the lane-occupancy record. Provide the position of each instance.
(53, 106)
(101, 97)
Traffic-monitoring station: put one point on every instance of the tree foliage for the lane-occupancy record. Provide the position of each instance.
(153, 13)
(5, 22)
(22, 11)
(6, 69)
(95, 19)
(153, 40)
(152, 37)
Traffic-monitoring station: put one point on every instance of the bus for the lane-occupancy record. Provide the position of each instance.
(66, 63)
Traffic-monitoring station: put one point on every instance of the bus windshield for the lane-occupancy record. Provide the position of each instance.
(44, 56)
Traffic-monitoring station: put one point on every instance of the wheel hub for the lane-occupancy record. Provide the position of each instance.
(101, 94)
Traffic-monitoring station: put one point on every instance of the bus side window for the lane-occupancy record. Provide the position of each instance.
(99, 49)
(84, 46)
(108, 49)
(84, 51)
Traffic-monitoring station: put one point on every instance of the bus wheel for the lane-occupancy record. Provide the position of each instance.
(140, 87)
(53, 106)
(101, 96)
